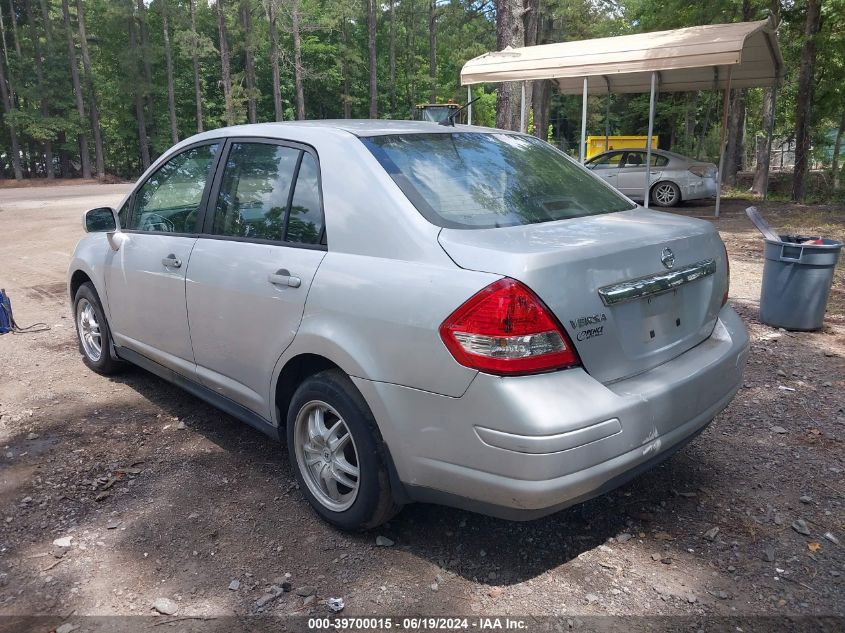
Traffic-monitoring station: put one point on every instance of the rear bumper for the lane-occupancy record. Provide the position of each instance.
(522, 447)
(699, 188)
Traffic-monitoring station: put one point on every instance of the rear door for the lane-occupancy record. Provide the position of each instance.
(263, 239)
(631, 180)
(145, 277)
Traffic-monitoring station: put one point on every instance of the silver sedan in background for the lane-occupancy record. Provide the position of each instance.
(457, 315)
(675, 178)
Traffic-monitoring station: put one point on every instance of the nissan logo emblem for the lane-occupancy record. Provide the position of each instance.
(667, 257)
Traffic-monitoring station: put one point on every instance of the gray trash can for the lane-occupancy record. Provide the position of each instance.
(797, 278)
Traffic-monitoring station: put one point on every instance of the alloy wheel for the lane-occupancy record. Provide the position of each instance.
(326, 455)
(665, 193)
(89, 330)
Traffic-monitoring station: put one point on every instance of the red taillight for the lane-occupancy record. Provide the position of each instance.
(727, 275)
(505, 329)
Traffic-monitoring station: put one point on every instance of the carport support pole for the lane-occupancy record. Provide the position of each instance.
(607, 123)
(726, 106)
(648, 140)
(583, 124)
(769, 132)
(469, 105)
(523, 119)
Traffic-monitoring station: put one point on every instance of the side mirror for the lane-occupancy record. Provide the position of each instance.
(100, 220)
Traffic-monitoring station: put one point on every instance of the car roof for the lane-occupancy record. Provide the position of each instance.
(358, 127)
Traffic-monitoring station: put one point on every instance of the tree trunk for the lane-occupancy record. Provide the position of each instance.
(143, 142)
(85, 159)
(705, 126)
(297, 61)
(371, 49)
(411, 58)
(736, 128)
(531, 24)
(541, 92)
(346, 101)
(8, 107)
(762, 149)
(15, 37)
(541, 96)
(224, 64)
(509, 32)
(272, 18)
(432, 50)
(804, 101)
(392, 57)
(92, 97)
(837, 147)
(689, 120)
(39, 74)
(48, 34)
(196, 62)
(45, 14)
(146, 56)
(168, 58)
(249, 62)
(64, 155)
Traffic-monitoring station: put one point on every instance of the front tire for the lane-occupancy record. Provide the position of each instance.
(666, 194)
(92, 331)
(337, 453)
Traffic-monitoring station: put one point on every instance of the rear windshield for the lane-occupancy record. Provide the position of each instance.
(479, 180)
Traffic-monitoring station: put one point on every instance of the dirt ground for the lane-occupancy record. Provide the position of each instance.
(163, 497)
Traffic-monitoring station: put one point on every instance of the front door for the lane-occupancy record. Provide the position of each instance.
(606, 167)
(251, 269)
(145, 277)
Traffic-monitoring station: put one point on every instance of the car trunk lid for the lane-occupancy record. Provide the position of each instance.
(623, 308)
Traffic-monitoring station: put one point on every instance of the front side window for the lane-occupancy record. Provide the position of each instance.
(269, 192)
(170, 199)
(486, 180)
(608, 161)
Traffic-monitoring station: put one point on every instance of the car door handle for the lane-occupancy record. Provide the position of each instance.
(611, 176)
(171, 261)
(282, 277)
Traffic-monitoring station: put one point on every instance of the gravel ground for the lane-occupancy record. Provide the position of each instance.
(122, 495)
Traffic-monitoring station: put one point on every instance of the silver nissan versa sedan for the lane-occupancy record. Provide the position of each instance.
(457, 315)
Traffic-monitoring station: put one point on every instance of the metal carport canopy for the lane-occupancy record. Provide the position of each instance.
(686, 59)
(708, 57)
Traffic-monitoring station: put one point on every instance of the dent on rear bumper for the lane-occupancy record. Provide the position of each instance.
(538, 443)
(698, 189)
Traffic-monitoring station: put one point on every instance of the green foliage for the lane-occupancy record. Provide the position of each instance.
(335, 69)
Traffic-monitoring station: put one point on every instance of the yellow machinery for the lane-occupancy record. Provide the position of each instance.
(596, 144)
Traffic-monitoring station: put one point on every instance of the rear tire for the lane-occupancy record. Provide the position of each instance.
(92, 331)
(337, 453)
(665, 194)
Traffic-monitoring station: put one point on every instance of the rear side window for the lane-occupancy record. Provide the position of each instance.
(269, 192)
(255, 191)
(486, 180)
(306, 215)
(170, 199)
(637, 159)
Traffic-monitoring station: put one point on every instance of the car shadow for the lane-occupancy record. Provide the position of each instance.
(206, 496)
(471, 545)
